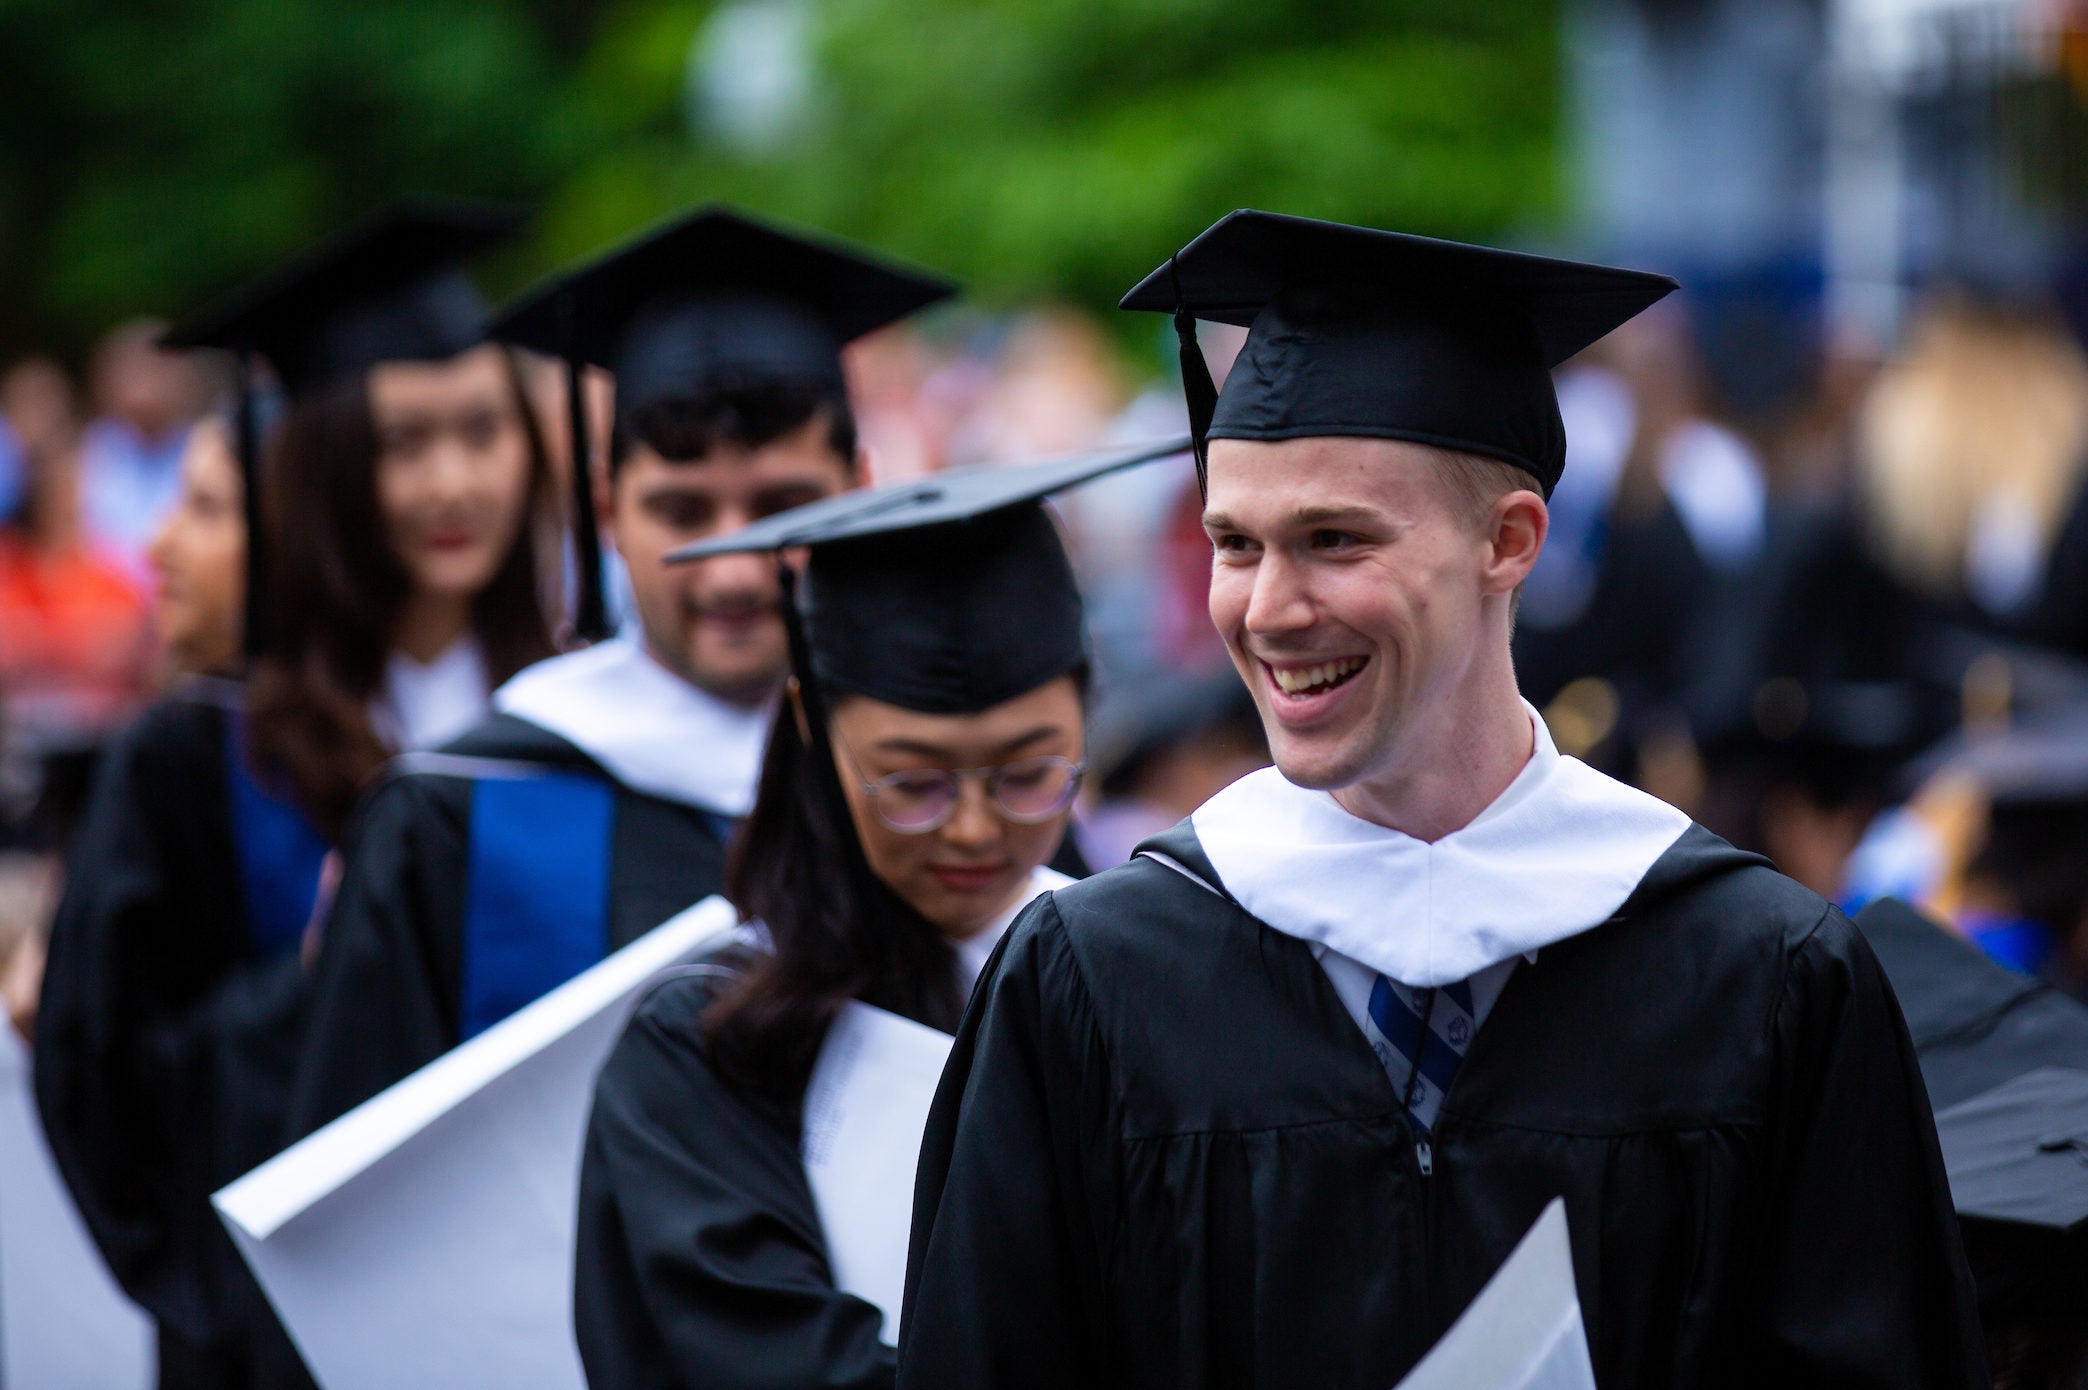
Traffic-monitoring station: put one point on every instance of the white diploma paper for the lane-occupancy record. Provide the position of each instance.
(865, 1110)
(1523, 1331)
(426, 1237)
(64, 1325)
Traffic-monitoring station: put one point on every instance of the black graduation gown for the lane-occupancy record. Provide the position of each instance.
(389, 991)
(165, 1041)
(1163, 1155)
(2060, 618)
(701, 1262)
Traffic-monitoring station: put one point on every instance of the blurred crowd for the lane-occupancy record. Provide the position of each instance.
(87, 473)
(1830, 603)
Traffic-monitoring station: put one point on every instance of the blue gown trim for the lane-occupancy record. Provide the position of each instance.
(279, 854)
(536, 909)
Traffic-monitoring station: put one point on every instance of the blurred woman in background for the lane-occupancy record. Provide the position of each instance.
(170, 996)
(198, 557)
(410, 508)
(1971, 457)
(403, 487)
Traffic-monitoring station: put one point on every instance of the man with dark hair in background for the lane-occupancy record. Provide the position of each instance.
(597, 799)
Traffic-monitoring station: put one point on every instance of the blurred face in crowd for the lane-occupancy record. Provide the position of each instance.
(151, 390)
(716, 623)
(36, 396)
(452, 468)
(1363, 598)
(966, 870)
(199, 556)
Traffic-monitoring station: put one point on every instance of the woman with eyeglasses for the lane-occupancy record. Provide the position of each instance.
(917, 782)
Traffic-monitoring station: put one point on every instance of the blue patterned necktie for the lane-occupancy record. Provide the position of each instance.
(1420, 1036)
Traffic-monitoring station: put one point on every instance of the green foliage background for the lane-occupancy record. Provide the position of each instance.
(153, 152)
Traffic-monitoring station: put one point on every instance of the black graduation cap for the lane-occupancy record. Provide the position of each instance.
(712, 298)
(2002, 1055)
(391, 289)
(2018, 1154)
(1842, 740)
(947, 594)
(1974, 1022)
(1354, 331)
(2041, 759)
(2017, 1158)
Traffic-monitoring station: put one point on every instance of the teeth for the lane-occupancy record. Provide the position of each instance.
(1299, 680)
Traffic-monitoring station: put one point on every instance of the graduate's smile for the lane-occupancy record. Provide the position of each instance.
(1303, 691)
(737, 621)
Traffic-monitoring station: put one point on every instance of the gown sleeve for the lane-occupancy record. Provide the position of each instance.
(1011, 1200)
(163, 1055)
(700, 1262)
(1866, 1283)
(382, 1005)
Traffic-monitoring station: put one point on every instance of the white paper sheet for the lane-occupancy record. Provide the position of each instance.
(1523, 1331)
(64, 1325)
(426, 1237)
(865, 1110)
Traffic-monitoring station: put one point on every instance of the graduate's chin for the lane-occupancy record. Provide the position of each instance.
(736, 663)
(1314, 769)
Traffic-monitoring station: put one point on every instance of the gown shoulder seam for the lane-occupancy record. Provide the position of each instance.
(1781, 999)
(1053, 923)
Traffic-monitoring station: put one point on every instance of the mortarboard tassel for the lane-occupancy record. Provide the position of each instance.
(246, 443)
(1197, 386)
(811, 699)
(590, 611)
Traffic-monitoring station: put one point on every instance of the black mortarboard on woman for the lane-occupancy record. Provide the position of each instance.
(948, 598)
(390, 289)
(912, 793)
(196, 872)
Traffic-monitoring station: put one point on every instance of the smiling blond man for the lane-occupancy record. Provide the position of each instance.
(1267, 1106)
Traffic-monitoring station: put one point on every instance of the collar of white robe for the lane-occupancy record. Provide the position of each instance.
(1555, 855)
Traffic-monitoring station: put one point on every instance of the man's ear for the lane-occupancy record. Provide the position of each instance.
(1516, 527)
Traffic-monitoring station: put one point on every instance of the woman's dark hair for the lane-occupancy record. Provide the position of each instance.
(836, 930)
(748, 414)
(337, 589)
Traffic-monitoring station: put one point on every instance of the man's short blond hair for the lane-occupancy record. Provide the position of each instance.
(1476, 482)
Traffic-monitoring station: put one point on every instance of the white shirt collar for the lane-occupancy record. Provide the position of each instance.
(653, 731)
(1554, 855)
(426, 705)
(975, 950)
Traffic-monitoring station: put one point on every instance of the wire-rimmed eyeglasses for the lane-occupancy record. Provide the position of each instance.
(1028, 791)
